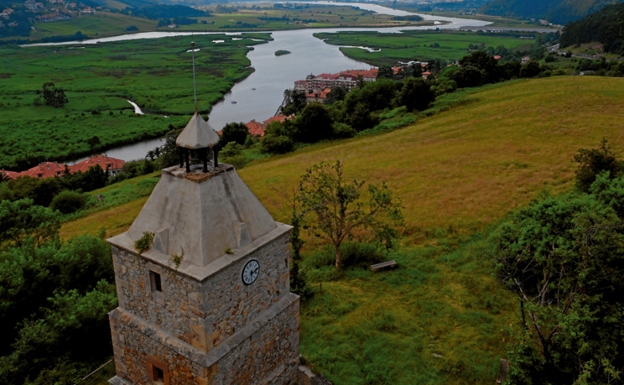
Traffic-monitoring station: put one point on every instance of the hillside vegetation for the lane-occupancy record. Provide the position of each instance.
(414, 45)
(441, 318)
(555, 11)
(604, 26)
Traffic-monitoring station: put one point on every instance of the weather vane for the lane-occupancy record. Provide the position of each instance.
(194, 84)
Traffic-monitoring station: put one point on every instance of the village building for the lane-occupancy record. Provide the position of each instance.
(53, 169)
(8, 11)
(256, 128)
(209, 301)
(317, 96)
(13, 24)
(525, 60)
(278, 118)
(347, 79)
(113, 165)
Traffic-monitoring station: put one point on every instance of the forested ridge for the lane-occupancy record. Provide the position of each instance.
(605, 26)
(555, 11)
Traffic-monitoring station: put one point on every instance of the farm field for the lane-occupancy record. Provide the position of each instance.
(100, 78)
(99, 25)
(414, 45)
(441, 317)
(264, 17)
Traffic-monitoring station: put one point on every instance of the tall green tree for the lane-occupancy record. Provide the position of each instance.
(416, 94)
(342, 206)
(563, 257)
(592, 162)
(53, 96)
(313, 124)
(233, 132)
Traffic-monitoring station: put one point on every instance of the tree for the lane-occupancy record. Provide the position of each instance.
(68, 202)
(484, 62)
(41, 191)
(340, 211)
(416, 70)
(385, 72)
(93, 142)
(276, 144)
(169, 152)
(361, 118)
(416, 94)
(313, 124)
(468, 76)
(336, 94)
(233, 132)
(53, 96)
(530, 69)
(563, 257)
(593, 162)
(22, 219)
(374, 96)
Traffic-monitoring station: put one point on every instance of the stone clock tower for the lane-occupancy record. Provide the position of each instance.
(225, 314)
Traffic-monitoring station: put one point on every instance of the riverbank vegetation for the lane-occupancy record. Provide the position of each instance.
(97, 80)
(389, 49)
(211, 18)
(458, 174)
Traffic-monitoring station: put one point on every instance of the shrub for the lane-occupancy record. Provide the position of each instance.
(342, 130)
(145, 242)
(273, 144)
(231, 149)
(353, 255)
(68, 202)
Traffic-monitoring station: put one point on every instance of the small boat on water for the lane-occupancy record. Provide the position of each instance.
(233, 102)
(253, 89)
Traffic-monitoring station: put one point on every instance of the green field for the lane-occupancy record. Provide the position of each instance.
(101, 77)
(414, 45)
(458, 173)
(101, 24)
(262, 18)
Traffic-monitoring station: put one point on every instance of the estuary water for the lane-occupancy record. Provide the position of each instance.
(259, 95)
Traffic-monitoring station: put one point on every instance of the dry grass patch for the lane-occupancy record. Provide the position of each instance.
(470, 166)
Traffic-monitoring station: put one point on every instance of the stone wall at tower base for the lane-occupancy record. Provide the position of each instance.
(266, 351)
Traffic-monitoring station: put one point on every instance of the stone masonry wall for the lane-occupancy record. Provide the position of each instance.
(203, 314)
(269, 356)
(229, 304)
(177, 312)
(135, 352)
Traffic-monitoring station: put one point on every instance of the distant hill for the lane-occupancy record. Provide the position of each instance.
(555, 11)
(604, 26)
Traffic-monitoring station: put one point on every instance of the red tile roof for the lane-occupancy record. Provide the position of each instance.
(102, 161)
(497, 57)
(44, 170)
(278, 118)
(11, 174)
(256, 128)
(427, 73)
(326, 76)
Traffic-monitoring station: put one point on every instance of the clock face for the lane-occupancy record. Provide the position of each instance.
(251, 271)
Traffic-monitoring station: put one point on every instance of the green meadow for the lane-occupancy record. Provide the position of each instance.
(414, 45)
(98, 25)
(263, 17)
(98, 79)
(441, 317)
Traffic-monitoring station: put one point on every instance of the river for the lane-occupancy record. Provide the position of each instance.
(273, 74)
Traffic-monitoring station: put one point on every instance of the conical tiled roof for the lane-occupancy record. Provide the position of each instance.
(197, 134)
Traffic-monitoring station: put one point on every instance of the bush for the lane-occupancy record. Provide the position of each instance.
(231, 149)
(68, 202)
(343, 131)
(272, 144)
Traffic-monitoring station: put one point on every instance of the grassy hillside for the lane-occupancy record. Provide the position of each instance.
(414, 45)
(469, 166)
(99, 25)
(441, 318)
(555, 11)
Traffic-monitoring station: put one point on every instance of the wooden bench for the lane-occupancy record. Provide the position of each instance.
(384, 265)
